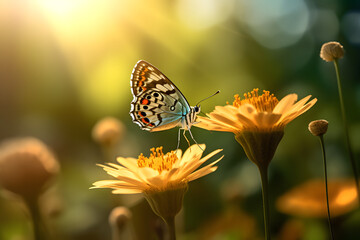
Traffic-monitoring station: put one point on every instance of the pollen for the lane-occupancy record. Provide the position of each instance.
(263, 103)
(157, 160)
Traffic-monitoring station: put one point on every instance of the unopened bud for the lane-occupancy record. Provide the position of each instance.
(119, 216)
(108, 131)
(318, 127)
(331, 51)
(26, 166)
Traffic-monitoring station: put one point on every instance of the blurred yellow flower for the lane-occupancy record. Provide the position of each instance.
(262, 113)
(157, 173)
(308, 199)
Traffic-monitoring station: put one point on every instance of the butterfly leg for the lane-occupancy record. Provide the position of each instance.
(195, 140)
(186, 137)
(178, 144)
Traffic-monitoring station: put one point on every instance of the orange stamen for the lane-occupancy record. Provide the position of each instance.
(263, 103)
(157, 160)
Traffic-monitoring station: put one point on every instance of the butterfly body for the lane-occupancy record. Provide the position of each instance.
(157, 103)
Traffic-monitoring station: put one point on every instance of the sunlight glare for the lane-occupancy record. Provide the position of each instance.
(61, 8)
(203, 14)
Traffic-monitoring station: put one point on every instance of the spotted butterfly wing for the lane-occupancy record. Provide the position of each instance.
(157, 104)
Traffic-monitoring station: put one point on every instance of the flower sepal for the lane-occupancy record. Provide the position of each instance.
(259, 147)
(168, 203)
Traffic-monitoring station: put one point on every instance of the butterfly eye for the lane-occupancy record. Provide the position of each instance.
(197, 109)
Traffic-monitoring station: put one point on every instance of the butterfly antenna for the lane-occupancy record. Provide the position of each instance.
(218, 91)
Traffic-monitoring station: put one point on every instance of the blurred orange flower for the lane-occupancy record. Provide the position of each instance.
(308, 199)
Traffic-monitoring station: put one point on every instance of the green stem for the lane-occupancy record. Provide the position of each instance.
(265, 197)
(346, 130)
(326, 186)
(36, 218)
(170, 222)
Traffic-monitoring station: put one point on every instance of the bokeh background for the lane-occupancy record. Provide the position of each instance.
(65, 64)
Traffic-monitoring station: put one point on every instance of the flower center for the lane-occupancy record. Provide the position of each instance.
(157, 160)
(263, 103)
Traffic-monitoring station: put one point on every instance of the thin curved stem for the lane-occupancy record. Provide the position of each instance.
(265, 197)
(170, 222)
(346, 130)
(326, 186)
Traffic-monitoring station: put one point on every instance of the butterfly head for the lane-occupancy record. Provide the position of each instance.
(192, 115)
(197, 109)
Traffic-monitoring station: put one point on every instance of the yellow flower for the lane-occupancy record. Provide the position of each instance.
(258, 122)
(163, 178)
(262, 113)
(158, 172)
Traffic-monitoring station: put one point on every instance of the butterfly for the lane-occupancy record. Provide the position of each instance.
(158, 104)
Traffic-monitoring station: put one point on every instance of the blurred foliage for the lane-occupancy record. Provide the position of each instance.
(65, 64)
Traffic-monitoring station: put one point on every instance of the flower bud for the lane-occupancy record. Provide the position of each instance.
(108, 131)
(331, 51)
(118, 218)
(26, 166)
(318, 127)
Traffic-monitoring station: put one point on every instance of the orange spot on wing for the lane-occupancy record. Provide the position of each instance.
(146, 121)
(145, 102)
(145, 70)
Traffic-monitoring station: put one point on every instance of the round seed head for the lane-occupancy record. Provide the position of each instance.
(318, 127)
(331, 51)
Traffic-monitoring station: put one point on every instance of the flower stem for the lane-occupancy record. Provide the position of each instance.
(326, 185)
(346, 130)
(35, 215)
(170, 222)
(265, 197)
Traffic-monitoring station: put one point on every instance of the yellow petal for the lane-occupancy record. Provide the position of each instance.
(285, 104)
(126, 191)
(266, 120)
(192, 166)
(214, 125)
(192, 152)
(200, 173)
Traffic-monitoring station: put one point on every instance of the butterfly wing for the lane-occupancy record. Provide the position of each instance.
(157, 104)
